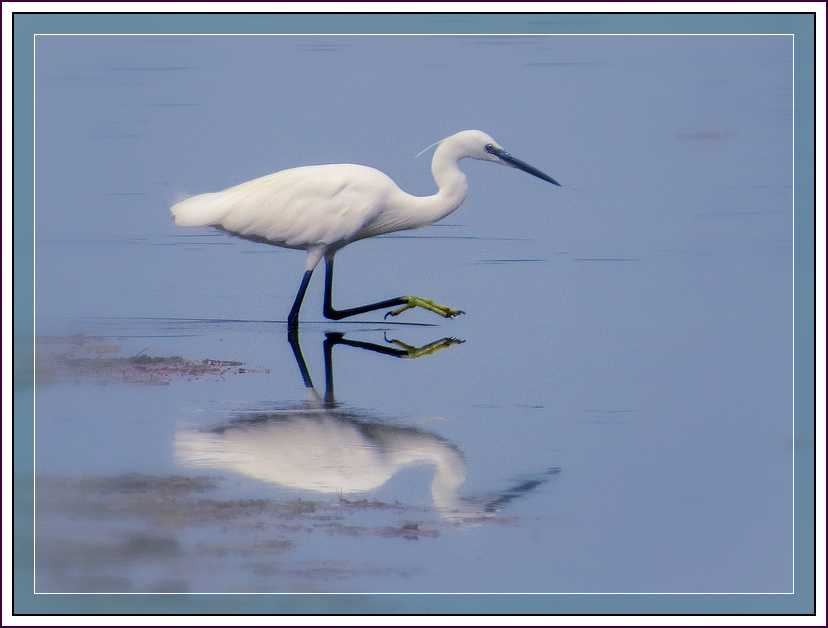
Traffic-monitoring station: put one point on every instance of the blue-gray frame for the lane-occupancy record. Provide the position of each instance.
(801, 25)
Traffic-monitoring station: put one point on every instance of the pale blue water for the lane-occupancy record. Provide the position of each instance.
(627, 338)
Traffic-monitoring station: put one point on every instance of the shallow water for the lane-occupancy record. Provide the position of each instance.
(617, 417)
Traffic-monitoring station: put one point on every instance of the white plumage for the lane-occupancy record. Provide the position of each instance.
(297, 208)
(320, 209)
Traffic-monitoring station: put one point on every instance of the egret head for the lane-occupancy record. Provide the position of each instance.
(479, 145)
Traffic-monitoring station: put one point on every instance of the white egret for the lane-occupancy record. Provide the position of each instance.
(320, 209)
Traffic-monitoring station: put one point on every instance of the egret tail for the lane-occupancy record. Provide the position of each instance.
(201, 210)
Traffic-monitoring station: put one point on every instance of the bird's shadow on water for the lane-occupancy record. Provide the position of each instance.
(326, 447)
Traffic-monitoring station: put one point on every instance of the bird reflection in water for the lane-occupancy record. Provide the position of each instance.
(324, 447)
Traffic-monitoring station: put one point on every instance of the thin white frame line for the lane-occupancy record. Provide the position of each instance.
(328, 35)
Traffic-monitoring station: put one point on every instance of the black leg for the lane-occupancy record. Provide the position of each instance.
(329, 311)
(293, 340)
(336, 338)
(293, 317)
(407, 351)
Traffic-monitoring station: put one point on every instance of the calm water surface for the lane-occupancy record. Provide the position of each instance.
(617, 417)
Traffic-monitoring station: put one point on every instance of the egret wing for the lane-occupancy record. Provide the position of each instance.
(297, 208)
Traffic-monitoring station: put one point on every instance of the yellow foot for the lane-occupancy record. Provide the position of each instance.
(417, 352)
(412, 301)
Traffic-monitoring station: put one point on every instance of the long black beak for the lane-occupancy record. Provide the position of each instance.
(517, 163)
